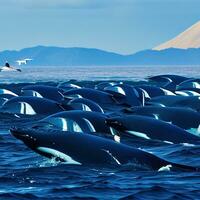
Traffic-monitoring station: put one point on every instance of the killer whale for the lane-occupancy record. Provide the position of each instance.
(88, 149)
(28, 105)
(5, 95)
(192, 102)
(104, 99)
(187, 93)
(153, 91)
(190, 83)
(85, 105)
(135, 126)
(184, 118)
(43, 91)
(75, 121)
(68, 86)
(168, 78)
(102, 85)
(92, 94)
(129, 95)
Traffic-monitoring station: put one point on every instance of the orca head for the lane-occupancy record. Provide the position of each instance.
(121, 127)
(28, 136)
(49, 146)
(116, 126)
(35, 139)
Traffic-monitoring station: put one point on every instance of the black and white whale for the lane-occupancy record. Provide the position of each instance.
(5, 95)
(6, 91)
(176, 79)
(187, 119)
(104, 99)
(143, 127)
(102, 85)
(187, 92)
(128, 94)
(153, 91)
(31, 106)
(192, 102)
(75, 121)
(68, 86)
(92, 94)
(88, 149)
(43, 91)
(190, 83)
(85, 105)
(197, 90)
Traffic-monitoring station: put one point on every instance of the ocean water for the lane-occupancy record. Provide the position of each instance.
(26, 175)
(95, 73)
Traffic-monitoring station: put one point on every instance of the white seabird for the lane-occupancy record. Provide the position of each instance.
(23, 61)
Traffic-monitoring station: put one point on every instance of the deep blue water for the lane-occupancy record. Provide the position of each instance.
(26, 175)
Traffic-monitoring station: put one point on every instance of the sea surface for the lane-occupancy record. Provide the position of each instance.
(26, 175)
(94, 73)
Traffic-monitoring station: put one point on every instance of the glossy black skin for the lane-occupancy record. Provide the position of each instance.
(105, 100)
(191, 80)
(182, 117)
(65, 86)
(192, 102)
(152, 91)
(5, 97)
(92, 94)
(168, 78)
(78, 103)
(98, 120)
(154, 129)
(89, 149)
(2, 100)
(40, 105)
(132, 96)
(102, 85)
(190, 89)
(187, 85)
(48, 92)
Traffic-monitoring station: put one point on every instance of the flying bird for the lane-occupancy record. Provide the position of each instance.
(23, 61)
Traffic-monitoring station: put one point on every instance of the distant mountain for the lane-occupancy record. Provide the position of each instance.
(170, 56)
(57, 56)
(190, 38)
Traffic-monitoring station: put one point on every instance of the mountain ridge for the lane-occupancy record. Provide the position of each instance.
(75, 56)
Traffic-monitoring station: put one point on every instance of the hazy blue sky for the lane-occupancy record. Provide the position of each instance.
(123, 26)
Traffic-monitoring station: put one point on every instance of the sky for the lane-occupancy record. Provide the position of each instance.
(121, 26)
